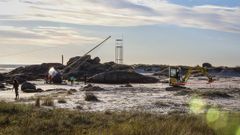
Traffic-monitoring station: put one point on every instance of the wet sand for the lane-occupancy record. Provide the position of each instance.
(141, 97)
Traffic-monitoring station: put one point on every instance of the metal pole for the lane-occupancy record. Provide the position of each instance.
(62, 60)
(88, 53)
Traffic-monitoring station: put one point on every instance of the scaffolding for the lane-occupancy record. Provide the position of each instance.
(119, 51)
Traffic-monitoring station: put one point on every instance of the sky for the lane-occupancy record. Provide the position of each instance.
(175, 32)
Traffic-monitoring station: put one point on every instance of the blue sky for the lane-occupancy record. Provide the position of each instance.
(176, 32)
(228, 3)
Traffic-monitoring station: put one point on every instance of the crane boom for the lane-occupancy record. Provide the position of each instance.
(89, 52)
(197, 69)
(97, 46)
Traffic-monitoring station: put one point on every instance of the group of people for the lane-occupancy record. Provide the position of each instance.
(73, 79)
(16, 85)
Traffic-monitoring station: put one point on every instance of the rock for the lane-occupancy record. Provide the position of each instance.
(121, 77)
(92, 88)
(96, 60)
(79, 67)
(78, 59)
(2, 86)
(128, 85)
(2, 77)
(91, 97)
(34, 72)
(141, 68)
(224, 72)
(28, 87)
(20, 78)
(121, 67)
(79, 107)
(71, 91)
(39, 90)
(89, 85)
(207, 65)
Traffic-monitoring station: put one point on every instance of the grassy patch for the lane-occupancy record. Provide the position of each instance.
(28, 120)
(37, 102)
(48, 102)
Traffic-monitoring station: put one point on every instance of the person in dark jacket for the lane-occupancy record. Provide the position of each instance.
(15, 86)
(85, 79)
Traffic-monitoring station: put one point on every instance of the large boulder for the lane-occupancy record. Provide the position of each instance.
(90, 87)
(20, 78)
(2, 77)
(79, 67)
(78, 59)
(28, 87)
(34, 72)
(121, 77)
(2, 86)
(96, 60)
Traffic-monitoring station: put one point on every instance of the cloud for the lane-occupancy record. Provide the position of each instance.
(43, 36)
(127, 13)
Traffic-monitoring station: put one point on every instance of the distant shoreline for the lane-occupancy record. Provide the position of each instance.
(5, 68)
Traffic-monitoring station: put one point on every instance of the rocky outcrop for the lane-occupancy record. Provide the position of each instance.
(207, 65)
(2, 77)
(33, 72)
(224, 72)
(141, 68)
(78, 67)
(121, 77)
(2, 86)
(92, 88)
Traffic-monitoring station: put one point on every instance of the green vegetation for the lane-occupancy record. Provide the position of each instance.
(37, 102)
(17, 119)
(48, 102)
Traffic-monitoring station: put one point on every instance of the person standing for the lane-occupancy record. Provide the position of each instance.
(15, 86)
(85, 79)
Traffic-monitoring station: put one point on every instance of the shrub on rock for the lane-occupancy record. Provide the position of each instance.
(207, 65)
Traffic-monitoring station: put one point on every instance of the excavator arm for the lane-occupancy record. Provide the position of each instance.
(199, 69)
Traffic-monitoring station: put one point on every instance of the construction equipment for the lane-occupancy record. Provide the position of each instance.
(89, 52)
(83, 58)
(179, 79)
